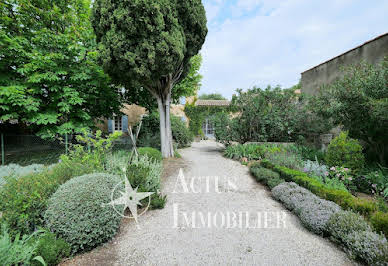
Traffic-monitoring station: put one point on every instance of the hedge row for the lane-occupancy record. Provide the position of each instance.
(346, 200)
(346, 228)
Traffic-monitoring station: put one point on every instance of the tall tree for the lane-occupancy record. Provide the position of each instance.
(49, 76)
(146, 45)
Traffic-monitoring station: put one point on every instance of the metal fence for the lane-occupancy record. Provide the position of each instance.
(31, 149)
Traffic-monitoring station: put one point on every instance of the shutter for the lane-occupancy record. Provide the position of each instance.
(110, 125)
(125, 123)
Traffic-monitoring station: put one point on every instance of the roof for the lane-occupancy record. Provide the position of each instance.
(212, 103)
(355, 48)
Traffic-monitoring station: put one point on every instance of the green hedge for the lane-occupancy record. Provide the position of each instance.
(345, 199)
(266, 176)
(23, 200)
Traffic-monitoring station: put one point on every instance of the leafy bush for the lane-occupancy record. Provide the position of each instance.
(151, 153)
(358, 102)
(145, 174)
(343, 223)
(375, 182)
(93, 150)
(79, 212)
(24, 200)
(346, 152)
(315, 168)
(18, 250)
(180, 133)
(51, 249)
(289, 160)
(150, 132)
(368, 247)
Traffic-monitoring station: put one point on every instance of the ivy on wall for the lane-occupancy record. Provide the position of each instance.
(198, 114)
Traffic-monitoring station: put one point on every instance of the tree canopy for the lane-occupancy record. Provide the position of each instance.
(211, 96)
(146, 46)
(49, 78)
(359, 103)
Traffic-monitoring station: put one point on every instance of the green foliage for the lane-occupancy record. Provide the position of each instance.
(198, 114)
(264, 175)
(211, 96)
(17, 250)
(346, 152)
(374, 182)
(358, 101)
(270, 114)
(51, 249)
(151, 153)
(89, 222)
(145, 174)
(158, 201)
(379, 220)
(150, 133)
(290, 160)
(180, 133)
(144, 44)
(192, 82)
(92, 151)
(343, 198)
(49, 76)
(24, 200)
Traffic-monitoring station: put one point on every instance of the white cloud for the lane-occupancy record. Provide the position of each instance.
(282, 39)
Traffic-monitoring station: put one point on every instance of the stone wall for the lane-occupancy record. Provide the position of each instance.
(372, 52)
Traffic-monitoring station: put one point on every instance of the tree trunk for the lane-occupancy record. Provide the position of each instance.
(164, 102)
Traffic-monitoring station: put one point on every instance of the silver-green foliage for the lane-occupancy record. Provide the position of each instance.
(356, 236)
(79, 212)
(152, 182)
(313, 211)
(15, 171)
(367, 246)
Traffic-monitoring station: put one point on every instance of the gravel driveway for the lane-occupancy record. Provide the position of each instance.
(165, 238)
(224, 190)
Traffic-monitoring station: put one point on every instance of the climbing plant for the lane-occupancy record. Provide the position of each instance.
(198, 114)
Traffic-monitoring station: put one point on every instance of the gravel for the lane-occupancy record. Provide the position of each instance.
(158, 240)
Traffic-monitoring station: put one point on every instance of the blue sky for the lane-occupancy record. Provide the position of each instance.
(270, 42)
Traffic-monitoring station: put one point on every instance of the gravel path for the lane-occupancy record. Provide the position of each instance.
(161, 240)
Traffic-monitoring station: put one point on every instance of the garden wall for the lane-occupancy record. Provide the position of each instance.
(372, 52)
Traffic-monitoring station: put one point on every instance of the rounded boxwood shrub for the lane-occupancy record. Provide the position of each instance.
(79, 212)
(151, 153)
(346, 152)
(343, 223)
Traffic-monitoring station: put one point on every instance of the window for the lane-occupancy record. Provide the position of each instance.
(117, 123)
